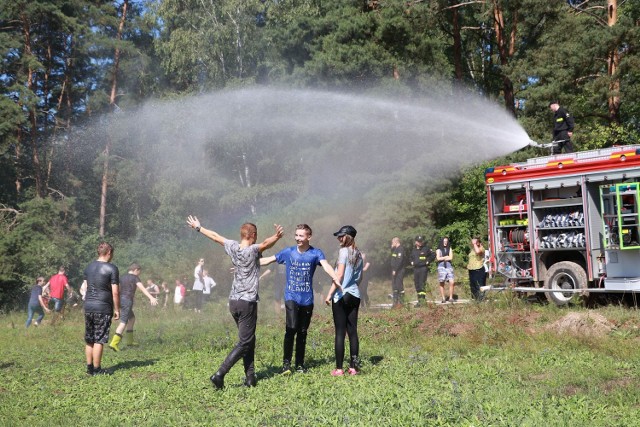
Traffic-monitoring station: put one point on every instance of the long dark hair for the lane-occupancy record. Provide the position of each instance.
(444, 249)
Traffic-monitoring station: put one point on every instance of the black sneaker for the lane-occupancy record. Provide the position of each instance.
(100, 371)
(250, 381)
(217, 380)
(301, 369)
(286, 368)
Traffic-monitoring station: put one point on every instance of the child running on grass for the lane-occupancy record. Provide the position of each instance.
(128, 285)
(245, 256)
(37, 303)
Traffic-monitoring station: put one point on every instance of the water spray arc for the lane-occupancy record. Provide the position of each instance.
(293, 143)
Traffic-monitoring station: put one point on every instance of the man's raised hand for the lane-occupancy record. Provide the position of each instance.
(193, 222)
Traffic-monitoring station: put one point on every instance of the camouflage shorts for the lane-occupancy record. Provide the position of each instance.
(96, 328)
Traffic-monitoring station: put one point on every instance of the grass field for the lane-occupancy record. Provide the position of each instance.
(499, 363)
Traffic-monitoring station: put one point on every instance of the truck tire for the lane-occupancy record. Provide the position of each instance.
(565, 275)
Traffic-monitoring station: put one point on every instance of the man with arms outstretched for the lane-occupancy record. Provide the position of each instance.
(243, 305)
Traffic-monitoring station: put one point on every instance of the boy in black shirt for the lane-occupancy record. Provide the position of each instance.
(102, 303)
(128, 285)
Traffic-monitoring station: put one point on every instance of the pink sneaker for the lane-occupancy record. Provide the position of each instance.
(337, 373)
(352, 371)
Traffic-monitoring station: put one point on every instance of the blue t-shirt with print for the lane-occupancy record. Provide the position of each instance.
(300, 270)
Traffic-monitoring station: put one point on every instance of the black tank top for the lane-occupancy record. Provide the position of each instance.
(444, 251)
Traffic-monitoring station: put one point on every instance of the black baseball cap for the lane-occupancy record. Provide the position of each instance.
(419, 239)
(346, 229)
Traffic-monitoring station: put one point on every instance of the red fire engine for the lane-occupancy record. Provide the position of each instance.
(567, 224)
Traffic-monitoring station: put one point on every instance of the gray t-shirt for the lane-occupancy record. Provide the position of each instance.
(247, 269)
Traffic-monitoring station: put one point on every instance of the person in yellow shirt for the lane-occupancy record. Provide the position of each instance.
(475, 265)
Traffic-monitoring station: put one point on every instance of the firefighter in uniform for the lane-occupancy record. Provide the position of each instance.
(397, 272)
(562, 128)
(421, 256)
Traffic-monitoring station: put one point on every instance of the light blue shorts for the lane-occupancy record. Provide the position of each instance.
(445, 274)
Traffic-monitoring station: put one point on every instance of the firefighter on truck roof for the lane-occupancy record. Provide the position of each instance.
(563, 124)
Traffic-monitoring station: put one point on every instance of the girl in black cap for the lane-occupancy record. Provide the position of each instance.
(345, 299)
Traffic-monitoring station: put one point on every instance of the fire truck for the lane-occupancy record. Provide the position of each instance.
(567, 225)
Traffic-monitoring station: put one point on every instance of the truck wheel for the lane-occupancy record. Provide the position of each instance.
(565, 275)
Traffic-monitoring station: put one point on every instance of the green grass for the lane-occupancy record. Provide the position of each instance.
(492, 364)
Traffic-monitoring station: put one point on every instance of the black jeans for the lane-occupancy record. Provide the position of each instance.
(345, 319)
(477, 278)
(245, 314)
(298, 320)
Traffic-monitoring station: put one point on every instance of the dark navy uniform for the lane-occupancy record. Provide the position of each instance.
(421, 256)
(397, 267)
(563, 123)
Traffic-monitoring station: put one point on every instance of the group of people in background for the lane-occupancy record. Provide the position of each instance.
(478, 257)
(43, 294)
(110, 297)
(49, 296)
(202, 286)
(422, 256)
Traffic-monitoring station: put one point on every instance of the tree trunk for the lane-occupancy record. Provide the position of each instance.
(63, 118)
(116, 55)
(45, 126)
(613, 62)
(112, 104)
(103, 193)
(505, 52)
(33, 121)
(613, 54)
(457, 44)
(239, 46)
(16, 161)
